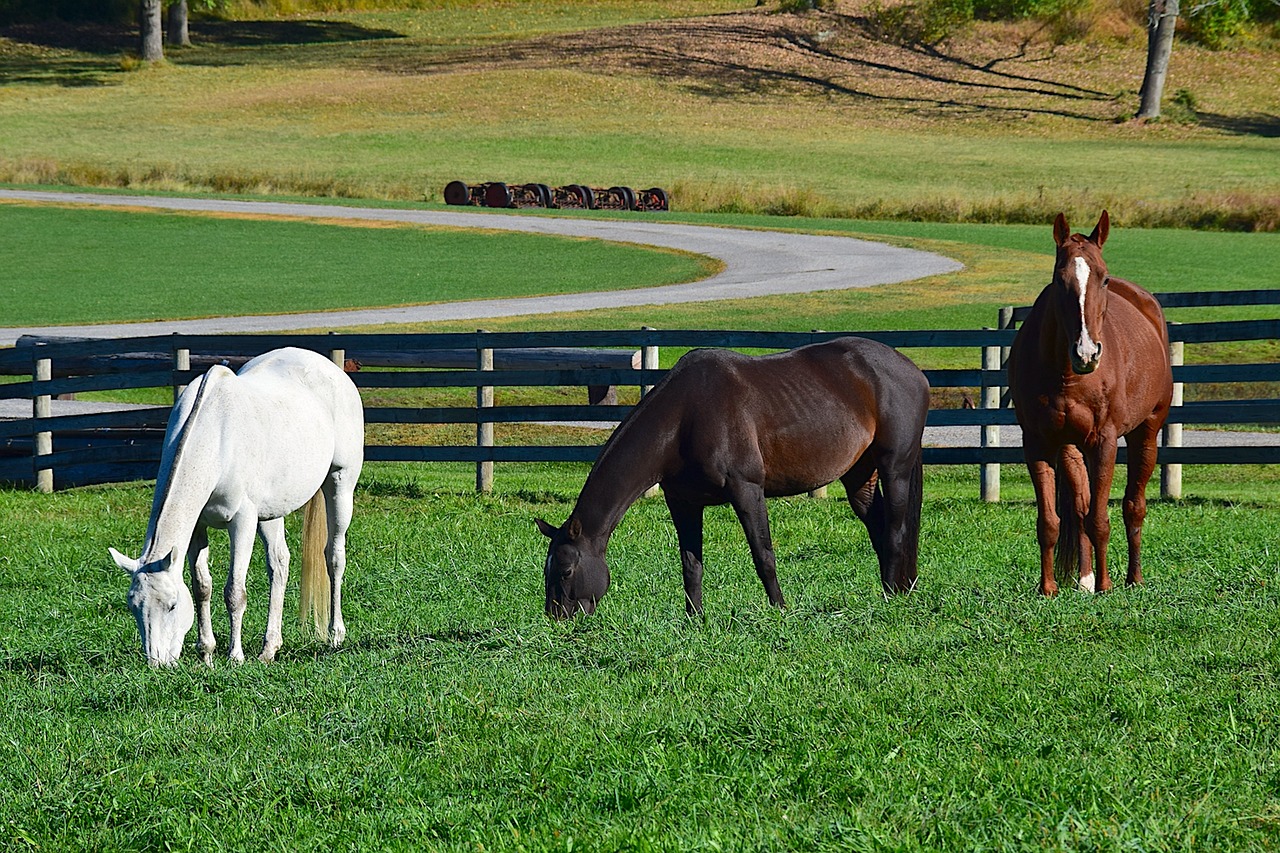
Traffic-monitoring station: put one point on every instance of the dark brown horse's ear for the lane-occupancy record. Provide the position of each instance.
(1061, 231)
(1100, 231)
(575, 527)
(548, 530)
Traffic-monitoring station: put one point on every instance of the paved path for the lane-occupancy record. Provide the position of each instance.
(756, 263)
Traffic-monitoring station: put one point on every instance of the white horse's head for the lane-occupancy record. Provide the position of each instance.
(161, 605)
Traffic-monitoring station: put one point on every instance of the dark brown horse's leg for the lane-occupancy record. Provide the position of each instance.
(1098, 521)
(748, 502)
(687, 518)
(891, 513)
(1142, 463)
(1044, 482)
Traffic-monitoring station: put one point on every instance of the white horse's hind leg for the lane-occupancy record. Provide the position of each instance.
(339, 504)
(272, 533)
(241, 531)
(202, 590)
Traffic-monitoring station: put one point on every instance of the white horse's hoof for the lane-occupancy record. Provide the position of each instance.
(1086, 583)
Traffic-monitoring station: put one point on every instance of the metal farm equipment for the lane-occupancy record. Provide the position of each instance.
(571, 197)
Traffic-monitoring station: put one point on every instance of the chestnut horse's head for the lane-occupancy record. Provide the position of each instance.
(576, 574)
(1080, 291)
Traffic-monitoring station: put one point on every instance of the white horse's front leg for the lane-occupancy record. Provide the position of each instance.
(202, 590)
(241, 531)
(272, 533)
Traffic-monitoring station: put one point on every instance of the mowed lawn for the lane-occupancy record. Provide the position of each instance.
(971, 714)
(68, 266)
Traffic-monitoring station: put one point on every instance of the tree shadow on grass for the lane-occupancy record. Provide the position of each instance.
(85, 54)
(1258, 124)
(268, 33)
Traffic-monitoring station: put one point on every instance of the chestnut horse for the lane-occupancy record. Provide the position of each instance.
(1089, 364)
(722, 427)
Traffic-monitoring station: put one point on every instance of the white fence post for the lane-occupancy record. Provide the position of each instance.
(648, 361)
(821, 491)
(990, 471)
(42, 407)
(484, 430)
(181, 361)
(1171, 472)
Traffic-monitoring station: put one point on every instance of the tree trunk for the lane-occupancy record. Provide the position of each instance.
(178, 34)
(1162, 19)
(149, 20)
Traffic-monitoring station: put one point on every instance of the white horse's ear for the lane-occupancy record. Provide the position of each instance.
(129, 565)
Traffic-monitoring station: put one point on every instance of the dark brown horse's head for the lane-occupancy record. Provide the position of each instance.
(1080, 291)
(576, 574)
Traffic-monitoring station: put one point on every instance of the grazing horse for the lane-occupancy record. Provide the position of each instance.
(1089, 364)
(242, 451)
(722, 427)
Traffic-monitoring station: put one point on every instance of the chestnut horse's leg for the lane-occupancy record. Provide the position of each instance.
(1142, 463)
(687, 517)
(748, 502)
(1075, 556)
(1098, 521)
(1044, 482)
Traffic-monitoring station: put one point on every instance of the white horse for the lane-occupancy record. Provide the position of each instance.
(241, 451)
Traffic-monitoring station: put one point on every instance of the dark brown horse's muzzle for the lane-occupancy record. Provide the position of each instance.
(561, 610)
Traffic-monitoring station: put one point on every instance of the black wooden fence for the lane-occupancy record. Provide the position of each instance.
(41, 447)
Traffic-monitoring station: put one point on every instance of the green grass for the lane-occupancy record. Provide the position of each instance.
(87, 266)
(394, 104)
(971, 714)
(115, 266)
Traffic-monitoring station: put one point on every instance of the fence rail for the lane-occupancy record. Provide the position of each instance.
(43, 447)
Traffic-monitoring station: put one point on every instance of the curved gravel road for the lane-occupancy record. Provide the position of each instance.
(756, 263)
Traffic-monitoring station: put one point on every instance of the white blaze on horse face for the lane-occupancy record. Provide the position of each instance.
(1086, 348)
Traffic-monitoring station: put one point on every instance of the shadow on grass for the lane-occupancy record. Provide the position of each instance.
(1258, 124)
(268, 33)
(87, 54)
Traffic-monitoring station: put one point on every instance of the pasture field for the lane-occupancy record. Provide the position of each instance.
(970, 714)
(739, 109)
(102, 265)
(109, 265)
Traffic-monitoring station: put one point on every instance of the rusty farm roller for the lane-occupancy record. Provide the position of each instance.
(571, 197)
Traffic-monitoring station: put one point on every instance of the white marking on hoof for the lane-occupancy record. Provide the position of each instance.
(1085, 583)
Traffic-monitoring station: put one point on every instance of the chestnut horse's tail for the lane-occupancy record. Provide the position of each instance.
(1066, 553)
(313, 585)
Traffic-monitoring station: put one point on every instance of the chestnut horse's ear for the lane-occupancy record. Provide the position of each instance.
(1061, 231)
(1100, 231)
(548, 530)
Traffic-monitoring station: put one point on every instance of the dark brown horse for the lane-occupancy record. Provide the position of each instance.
(1090, 364)
(728, 428)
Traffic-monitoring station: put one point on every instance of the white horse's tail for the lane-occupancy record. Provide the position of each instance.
(313, 586)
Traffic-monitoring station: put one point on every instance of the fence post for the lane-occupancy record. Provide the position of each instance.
(484, 430)
(181, 362)
(42, 407)
(648, 361)
(990, 471)
(1171, 472)
(821, 491)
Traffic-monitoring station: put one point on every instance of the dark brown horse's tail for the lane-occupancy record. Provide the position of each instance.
(911, 545)
(1066, 553)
